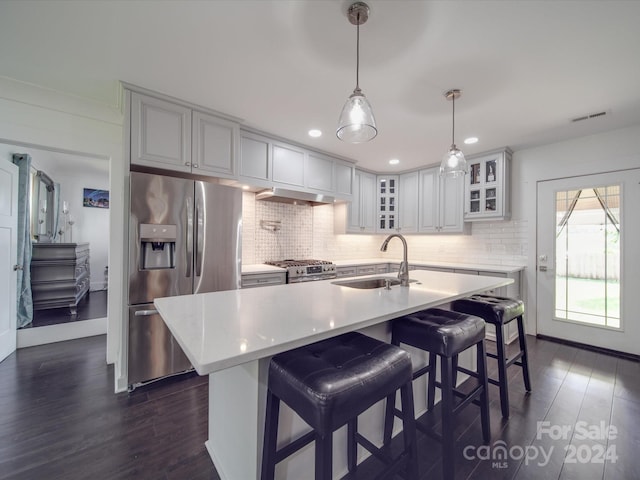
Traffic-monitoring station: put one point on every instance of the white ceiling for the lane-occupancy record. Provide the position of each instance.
(525, 67)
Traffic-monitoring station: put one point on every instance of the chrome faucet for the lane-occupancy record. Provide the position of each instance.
(403, 273)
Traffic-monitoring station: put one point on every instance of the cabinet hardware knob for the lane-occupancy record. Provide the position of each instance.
(195, 165)
(17, 267)
(188, 164)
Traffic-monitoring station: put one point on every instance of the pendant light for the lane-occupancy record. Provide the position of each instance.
(453, 163)
(356, 123)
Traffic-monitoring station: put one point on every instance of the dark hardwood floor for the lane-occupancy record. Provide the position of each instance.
(59, 419)
(93, 305)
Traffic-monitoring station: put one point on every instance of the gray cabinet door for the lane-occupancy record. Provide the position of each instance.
(160, 133)
(215, 145)
(319, 173)
(288, 165)
(441, 203)
(408, 202)
(254, 157)
(344, 179)
(429, 193)
(451, 204)
(361, 217)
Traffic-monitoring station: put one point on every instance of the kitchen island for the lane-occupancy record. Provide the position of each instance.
(231, 336)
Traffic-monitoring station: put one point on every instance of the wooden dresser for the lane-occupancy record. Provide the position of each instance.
(60, 275)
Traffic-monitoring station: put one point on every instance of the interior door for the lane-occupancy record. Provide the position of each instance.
(588, 260)
(8, 256)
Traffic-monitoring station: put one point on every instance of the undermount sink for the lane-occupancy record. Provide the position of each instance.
(369, 283)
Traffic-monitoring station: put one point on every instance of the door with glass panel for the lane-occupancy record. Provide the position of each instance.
(588, 260)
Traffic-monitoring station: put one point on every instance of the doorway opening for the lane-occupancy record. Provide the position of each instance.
(72, 172)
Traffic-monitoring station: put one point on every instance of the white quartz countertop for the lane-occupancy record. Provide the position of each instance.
(261, 268)
(219, 330)
(483, 267)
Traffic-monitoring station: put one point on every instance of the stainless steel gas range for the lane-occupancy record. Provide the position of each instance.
(306, 270)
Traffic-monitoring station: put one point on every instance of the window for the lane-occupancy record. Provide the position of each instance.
(587, 256)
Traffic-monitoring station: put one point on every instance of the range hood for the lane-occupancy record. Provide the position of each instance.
(294, 197)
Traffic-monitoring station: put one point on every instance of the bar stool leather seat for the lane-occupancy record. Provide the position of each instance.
(444, 334)
(500, 311)
(328, 384)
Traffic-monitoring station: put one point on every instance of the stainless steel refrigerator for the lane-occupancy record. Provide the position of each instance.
(184, 237)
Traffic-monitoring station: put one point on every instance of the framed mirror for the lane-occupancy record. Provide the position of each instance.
(43, 208)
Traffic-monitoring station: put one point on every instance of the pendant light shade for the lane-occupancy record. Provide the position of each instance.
(357, 123)
(453, 163)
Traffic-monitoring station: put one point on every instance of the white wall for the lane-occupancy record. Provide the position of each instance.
(41, 118)
(91, 224)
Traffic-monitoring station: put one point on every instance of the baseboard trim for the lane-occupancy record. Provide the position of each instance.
(30, 337)
(592, 348)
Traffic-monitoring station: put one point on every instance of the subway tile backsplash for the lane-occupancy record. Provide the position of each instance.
(307, 232)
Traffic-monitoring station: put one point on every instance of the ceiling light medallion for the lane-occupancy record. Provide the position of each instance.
(356, 123)
(453, 162)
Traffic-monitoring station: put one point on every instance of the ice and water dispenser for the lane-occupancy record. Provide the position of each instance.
(158, 246)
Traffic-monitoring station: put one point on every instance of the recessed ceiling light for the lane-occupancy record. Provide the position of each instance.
(394, 161)
(245, 187)
(314, 132)
(471, 140)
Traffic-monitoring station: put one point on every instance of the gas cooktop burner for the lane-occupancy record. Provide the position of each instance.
(296, 263)
(305, 270)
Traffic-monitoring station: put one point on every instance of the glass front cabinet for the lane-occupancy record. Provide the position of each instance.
(387, 203)
(487, 189)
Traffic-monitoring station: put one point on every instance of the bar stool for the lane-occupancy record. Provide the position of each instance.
(500, 311)
(328, 384)
(444, 334)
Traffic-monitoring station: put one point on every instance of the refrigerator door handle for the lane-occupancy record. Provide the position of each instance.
(189, 241)
(199, 238)
(145, 313)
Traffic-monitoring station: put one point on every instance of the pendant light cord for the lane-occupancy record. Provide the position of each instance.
(358, 53)
(453, 121)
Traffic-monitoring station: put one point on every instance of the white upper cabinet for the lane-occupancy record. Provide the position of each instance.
(452, 205)
(319, 173)
(160, 133)
(429, 202)
(172, 136)
(408, 201)
(487, 188)
(367, 215)
(288, 165)
(255, 158)
(215, 145)
(441, 203)
(344, 173)
(358, 215)
(267, 162)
